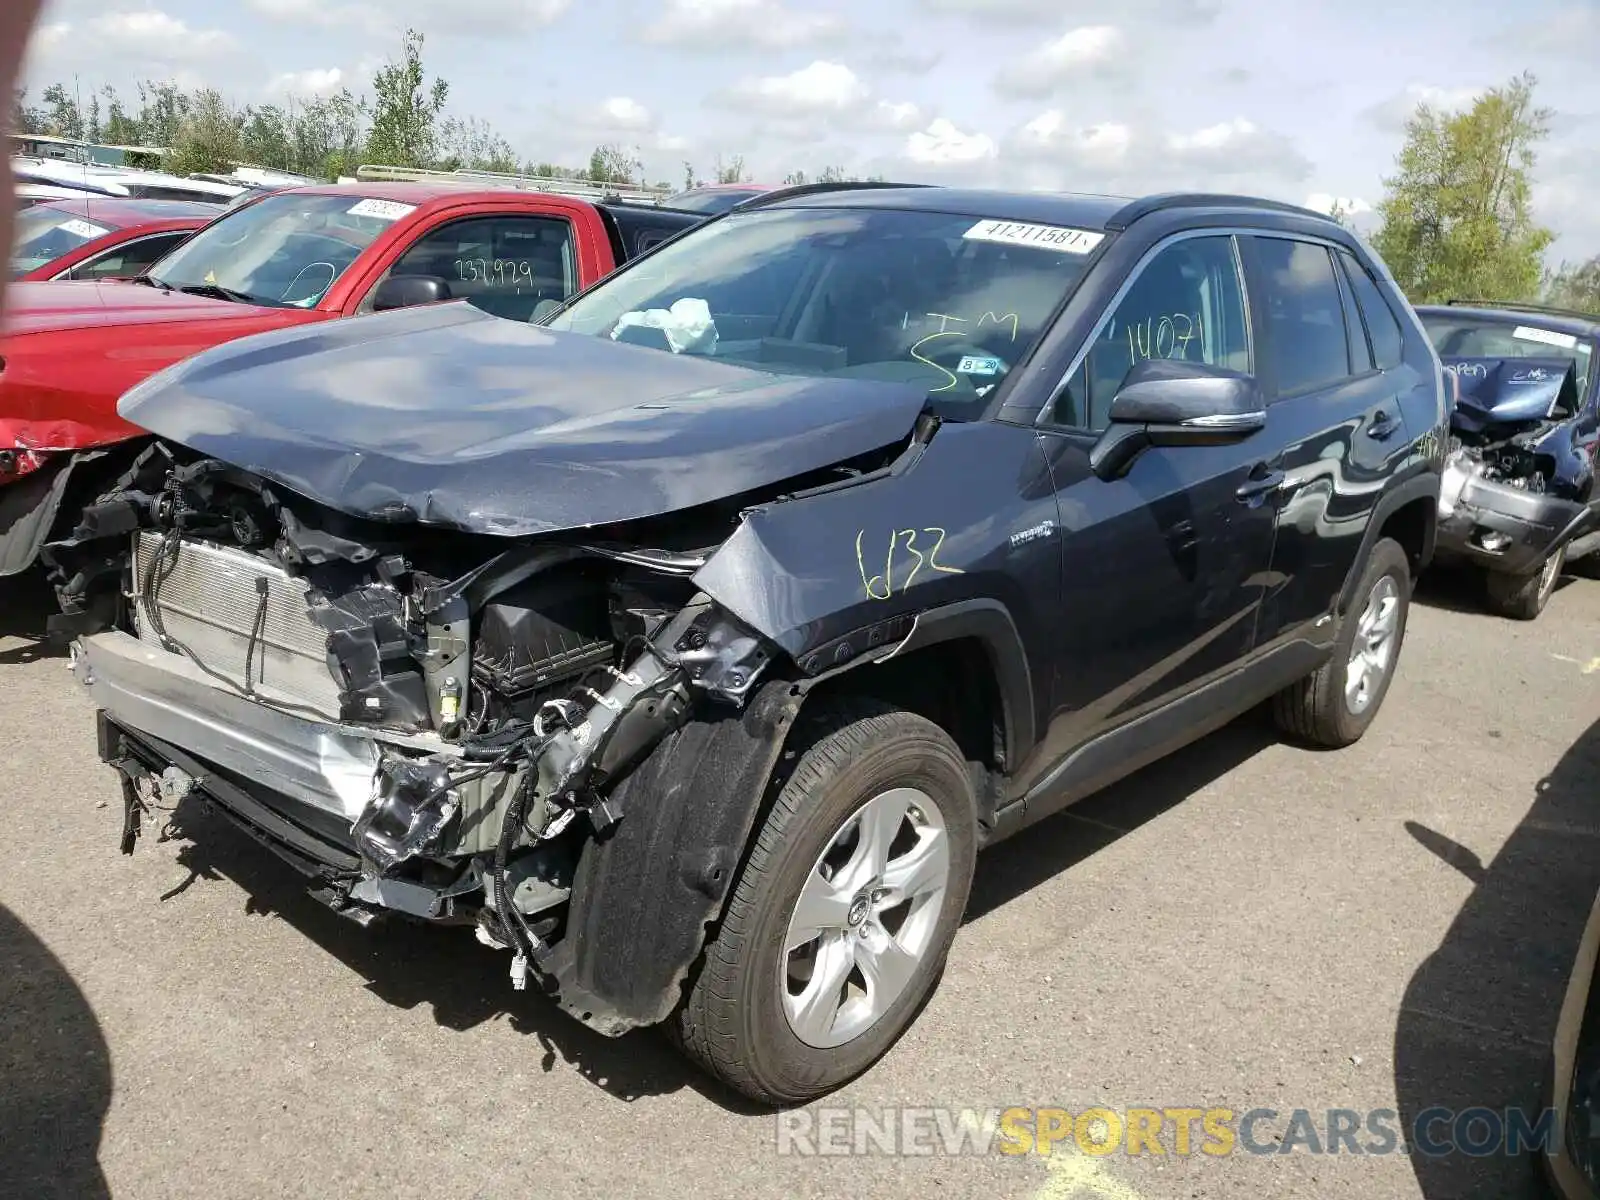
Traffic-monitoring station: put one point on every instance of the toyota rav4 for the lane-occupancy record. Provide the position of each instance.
(689, 642)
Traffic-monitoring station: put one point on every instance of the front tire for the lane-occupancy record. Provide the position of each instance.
(1334, 706)
(843, 914)
(1523, 597)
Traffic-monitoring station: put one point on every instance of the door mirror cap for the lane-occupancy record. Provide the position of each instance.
(1173, 402)
(406, 291)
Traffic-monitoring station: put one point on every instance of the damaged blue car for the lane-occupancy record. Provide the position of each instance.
(1518, 497)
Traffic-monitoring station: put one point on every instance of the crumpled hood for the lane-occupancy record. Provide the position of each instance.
(79, 304)
(1502, 391)
(447, 415)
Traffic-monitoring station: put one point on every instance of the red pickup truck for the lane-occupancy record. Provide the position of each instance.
(69, 350)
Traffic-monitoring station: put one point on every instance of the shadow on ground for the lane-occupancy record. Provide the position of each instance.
(467, 984)
(1460, 588)
(1478, 1016)
(27, 605)
(55, 1076)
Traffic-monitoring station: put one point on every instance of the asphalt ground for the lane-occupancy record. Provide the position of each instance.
(1248, 925)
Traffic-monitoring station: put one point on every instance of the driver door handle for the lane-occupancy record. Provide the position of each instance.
(1382, 426)
(1262, 481)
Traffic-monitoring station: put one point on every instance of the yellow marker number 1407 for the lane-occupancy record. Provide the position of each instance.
(919, 557)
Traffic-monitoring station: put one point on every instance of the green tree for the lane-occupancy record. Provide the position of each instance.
(612, 164)
(264, 137)
(1456, 215)
(405, 109)
(120, 129)
(1575, 286)
(162, 109)
(328, 135)
(25, 118)
(472, 143)
(688, 175)
(207, 138)
(62, 115)
(732, 171)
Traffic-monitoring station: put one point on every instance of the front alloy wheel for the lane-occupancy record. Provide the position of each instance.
(844, 911)
(865, 918)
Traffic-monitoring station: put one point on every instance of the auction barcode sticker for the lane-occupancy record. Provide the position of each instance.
(390, 210)
(83, 229)
(1550, 337)
(1045, 237)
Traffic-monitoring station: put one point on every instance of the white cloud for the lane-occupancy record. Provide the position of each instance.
(1104, 146)
(819, 89)
(155, 43)
(1237, 147)
(473, 18)
(1083, 53)
(46, 37)
(1042, 12)
(943, 144)
(1326, 202)
(318, 81)
(1050, 151)
(897, 116)
(1567, 32)
(624, 112)
(136, 32)
(1392, 113)
(716, 26)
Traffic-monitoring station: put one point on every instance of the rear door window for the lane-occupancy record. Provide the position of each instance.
(1383, 329)
(1307, 342)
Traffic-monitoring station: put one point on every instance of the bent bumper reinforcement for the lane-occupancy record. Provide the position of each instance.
(165, 696)
(1537, 525)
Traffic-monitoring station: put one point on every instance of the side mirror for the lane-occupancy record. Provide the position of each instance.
(1173, 402)
(404, 291)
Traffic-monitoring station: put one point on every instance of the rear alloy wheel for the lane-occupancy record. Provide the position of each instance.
(1333, 706)
(1523, 597)
(843, 914)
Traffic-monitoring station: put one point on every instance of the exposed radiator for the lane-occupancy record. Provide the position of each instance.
(209, 599)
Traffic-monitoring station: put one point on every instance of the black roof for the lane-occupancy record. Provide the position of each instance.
(1558, 320)
(660, 213)
(1074, 209)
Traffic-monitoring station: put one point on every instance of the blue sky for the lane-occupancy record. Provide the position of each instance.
(1298, 99)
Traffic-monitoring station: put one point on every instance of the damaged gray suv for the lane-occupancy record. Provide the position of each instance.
(689, 642)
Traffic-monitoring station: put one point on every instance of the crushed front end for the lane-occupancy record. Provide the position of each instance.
(424, 722)
(1515, 481)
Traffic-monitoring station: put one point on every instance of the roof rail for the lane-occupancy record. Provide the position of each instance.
(762, 199)
(589, 189)
(1145, 205)
(1513, 306)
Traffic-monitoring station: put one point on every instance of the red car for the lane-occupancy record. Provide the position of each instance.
(69, 350)
(101, 239)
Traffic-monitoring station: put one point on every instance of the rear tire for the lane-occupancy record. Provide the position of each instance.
(1333, 706)
(739, 1020)
(1523, 597)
